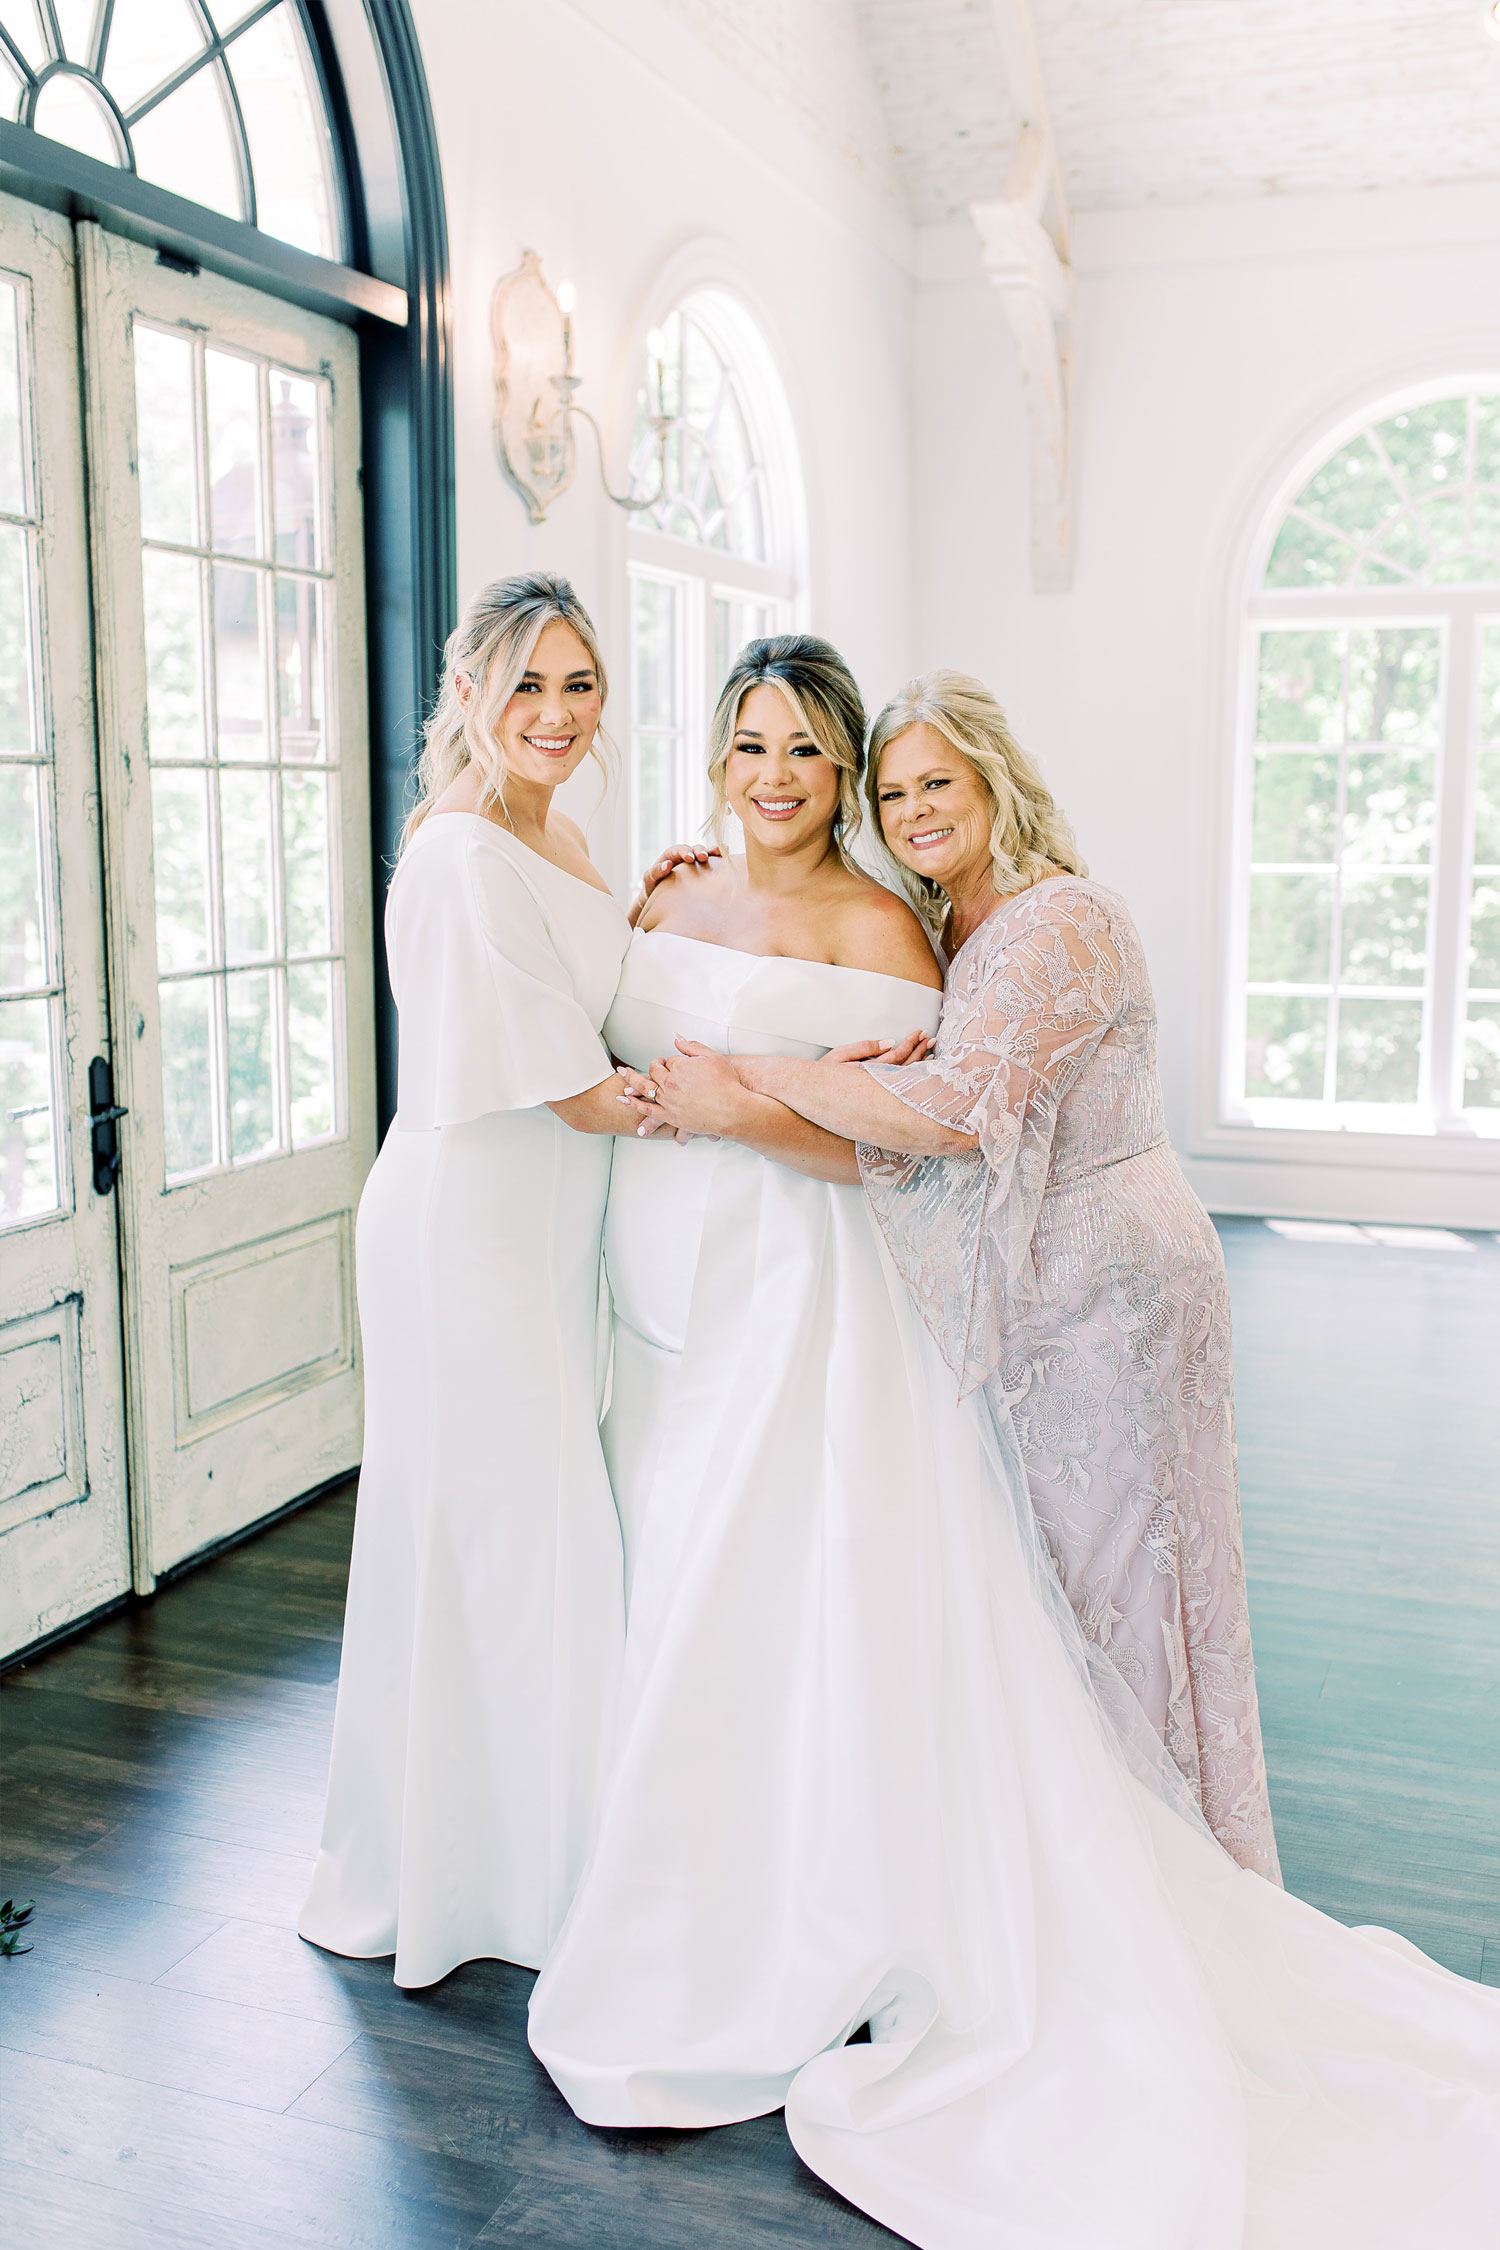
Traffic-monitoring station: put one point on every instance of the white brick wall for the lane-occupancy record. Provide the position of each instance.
(938, 68)
(806, 58)
(1182, 101)
(1153, 101)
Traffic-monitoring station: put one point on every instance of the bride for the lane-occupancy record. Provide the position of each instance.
(864, 1772)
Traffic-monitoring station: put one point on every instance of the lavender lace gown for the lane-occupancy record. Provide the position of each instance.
(1069, 1266)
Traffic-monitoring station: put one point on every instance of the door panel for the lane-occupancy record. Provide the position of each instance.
(227, 549)
(64, 1547)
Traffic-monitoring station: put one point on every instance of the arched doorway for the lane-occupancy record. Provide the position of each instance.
(226, 430)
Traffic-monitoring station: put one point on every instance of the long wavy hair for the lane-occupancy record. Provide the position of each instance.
(826, 704)
(491, 646)
(1029, 835)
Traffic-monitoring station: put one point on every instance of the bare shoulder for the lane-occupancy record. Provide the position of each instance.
(692, 897)
(877, 930)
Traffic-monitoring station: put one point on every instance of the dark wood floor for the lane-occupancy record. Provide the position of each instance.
(181, 2073)
(1368, 1385)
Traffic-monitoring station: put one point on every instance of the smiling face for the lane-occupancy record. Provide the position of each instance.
(785, 791)
(545, 729)
(935, 811)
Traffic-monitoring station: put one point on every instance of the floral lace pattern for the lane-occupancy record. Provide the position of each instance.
(1067, 1265)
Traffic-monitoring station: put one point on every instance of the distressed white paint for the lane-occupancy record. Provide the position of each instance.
(64, 1544)
(1152, 101)
(255, 1324)
(1023, 247)
(42, 1463)
(950, 107)
(192, 1483)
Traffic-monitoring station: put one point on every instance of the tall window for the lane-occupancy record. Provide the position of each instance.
(244, 758)
(1368, 955)
(714, 563)
(220, 105)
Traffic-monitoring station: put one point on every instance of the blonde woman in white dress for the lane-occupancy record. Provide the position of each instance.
(869, 1770)
(485, 1612)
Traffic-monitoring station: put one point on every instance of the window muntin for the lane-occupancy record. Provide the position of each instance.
(713, 563)
(33, 1154)
(713, 486)
(1341, 846)
(675, 676)
(224, 108)
(1369, 934)
(1412, 500)
(238, 594)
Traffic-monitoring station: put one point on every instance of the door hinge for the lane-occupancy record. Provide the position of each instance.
(104, 1116)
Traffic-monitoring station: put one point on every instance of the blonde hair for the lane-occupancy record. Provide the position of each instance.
(492, 645)
(1029, 836)
(826, 704)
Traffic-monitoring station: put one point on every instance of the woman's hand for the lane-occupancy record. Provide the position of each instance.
(640, 1099)
(675, 856)
(915, 1047)
(697, 1090)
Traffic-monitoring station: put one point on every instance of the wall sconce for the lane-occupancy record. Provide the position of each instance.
(536, 390)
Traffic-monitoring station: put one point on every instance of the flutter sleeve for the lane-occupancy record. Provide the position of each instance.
(1029, 1000)
(489, 1019)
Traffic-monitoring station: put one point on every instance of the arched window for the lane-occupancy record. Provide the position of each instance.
(224, 108)
(1368, 955)
(715, 561)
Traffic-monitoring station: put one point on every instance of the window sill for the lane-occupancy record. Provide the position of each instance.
(1465, 1146)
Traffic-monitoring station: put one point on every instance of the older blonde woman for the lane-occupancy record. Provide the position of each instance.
(1054, 1248)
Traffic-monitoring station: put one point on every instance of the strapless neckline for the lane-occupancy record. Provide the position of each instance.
(791, 960)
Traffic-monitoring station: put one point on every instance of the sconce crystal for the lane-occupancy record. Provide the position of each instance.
(536, 392)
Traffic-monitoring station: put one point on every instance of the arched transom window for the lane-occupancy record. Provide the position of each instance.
(222, 105)
(717, 559)
(1368, 955)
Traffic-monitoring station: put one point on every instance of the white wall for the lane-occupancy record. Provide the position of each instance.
(1213, 344)
(604, 136)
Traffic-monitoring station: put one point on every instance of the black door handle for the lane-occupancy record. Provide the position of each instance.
(104, 1116)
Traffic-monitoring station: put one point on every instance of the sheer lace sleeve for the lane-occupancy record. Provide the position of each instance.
(1029, 1000)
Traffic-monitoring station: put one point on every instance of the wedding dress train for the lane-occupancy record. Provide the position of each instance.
(868, 1770)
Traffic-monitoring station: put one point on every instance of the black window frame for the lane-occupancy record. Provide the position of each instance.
(406, 372)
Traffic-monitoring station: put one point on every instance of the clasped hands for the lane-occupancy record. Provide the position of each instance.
(698, 1091)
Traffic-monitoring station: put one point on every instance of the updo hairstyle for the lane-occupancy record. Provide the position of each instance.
(819, 688)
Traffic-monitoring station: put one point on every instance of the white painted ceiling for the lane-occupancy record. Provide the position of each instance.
(1152, 101)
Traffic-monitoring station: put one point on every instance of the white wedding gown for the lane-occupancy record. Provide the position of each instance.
(486, 1615)
(864, 1773)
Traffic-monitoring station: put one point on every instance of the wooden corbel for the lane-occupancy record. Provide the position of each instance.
(1023, 244)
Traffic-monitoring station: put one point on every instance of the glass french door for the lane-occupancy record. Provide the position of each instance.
(64, 1540)
(186, 1036)
(227, 573)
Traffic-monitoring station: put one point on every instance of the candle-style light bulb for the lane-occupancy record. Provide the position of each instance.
(566, 300)
(656, 352)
